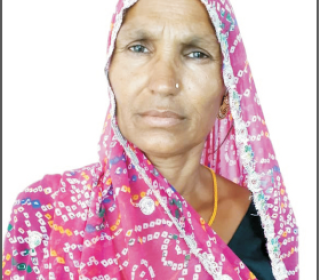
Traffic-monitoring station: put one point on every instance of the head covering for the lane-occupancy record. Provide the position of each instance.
(246, 157)
(99, 228)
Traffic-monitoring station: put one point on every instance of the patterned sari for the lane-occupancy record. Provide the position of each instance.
(120, 218)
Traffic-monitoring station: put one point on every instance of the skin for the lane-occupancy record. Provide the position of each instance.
(143, 74)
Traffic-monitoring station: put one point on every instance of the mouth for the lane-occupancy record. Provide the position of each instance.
(156, 118)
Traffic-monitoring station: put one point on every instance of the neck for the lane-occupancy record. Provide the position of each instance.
(183, 171)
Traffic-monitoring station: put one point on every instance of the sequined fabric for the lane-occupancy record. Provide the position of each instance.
(120, 219)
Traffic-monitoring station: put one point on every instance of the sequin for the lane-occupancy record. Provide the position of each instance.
(147, 205)
(35, 239)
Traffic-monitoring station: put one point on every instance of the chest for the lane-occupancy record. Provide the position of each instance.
(229, 216)
(230, 213)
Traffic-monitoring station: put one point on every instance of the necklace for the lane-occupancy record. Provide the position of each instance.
(215, 193)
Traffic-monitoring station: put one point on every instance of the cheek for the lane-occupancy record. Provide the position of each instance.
(120, 83)
(205, 99)
(205, 93)
(117, 74)
(126, 88)
(127, 79)
(206, 110)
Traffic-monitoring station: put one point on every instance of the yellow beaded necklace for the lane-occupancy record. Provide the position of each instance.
(215, 193)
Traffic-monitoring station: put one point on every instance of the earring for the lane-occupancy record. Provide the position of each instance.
(177, 85)
(224, 108)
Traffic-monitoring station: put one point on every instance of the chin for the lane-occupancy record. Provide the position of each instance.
(162, 146)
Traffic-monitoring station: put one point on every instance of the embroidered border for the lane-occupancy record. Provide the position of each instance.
(246, 155)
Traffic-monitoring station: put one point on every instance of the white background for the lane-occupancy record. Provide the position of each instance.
(55, 93)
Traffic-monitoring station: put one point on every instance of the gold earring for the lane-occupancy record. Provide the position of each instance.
(224, 108)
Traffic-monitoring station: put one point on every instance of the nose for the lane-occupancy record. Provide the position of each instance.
(163, 77)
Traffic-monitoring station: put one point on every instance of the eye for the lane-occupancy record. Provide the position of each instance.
(199, 55)
(138, 49)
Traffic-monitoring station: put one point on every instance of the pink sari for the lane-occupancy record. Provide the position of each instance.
(120, 219)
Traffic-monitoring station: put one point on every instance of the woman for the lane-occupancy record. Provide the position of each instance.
(187, 185)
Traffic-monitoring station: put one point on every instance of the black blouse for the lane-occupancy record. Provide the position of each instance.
(249, 244)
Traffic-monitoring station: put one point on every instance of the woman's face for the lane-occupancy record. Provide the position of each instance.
(162, 43)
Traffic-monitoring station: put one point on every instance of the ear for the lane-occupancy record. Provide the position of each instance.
(224, 107)
(223, 96)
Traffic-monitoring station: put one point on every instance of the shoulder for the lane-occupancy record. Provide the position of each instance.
(35, 201)
(42, 219)
(29, 227)
(42, 189)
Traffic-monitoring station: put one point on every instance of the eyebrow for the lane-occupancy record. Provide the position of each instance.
(196, 40)
(140, 33)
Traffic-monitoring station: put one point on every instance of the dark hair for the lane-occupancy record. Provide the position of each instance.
(225, 138)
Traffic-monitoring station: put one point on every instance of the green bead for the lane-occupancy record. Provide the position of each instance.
(187, 257)
(21, 266)
(29, 269)
(175, 237)
(10, 227)
(177, 213)
(101, 213)
(13, 261)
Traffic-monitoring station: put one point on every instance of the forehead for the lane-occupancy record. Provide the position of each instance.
(156, 14)
(173, 7)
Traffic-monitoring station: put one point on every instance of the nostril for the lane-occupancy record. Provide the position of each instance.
(163, 85)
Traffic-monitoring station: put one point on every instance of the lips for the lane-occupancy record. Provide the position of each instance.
(163, 114)
(161, 119)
